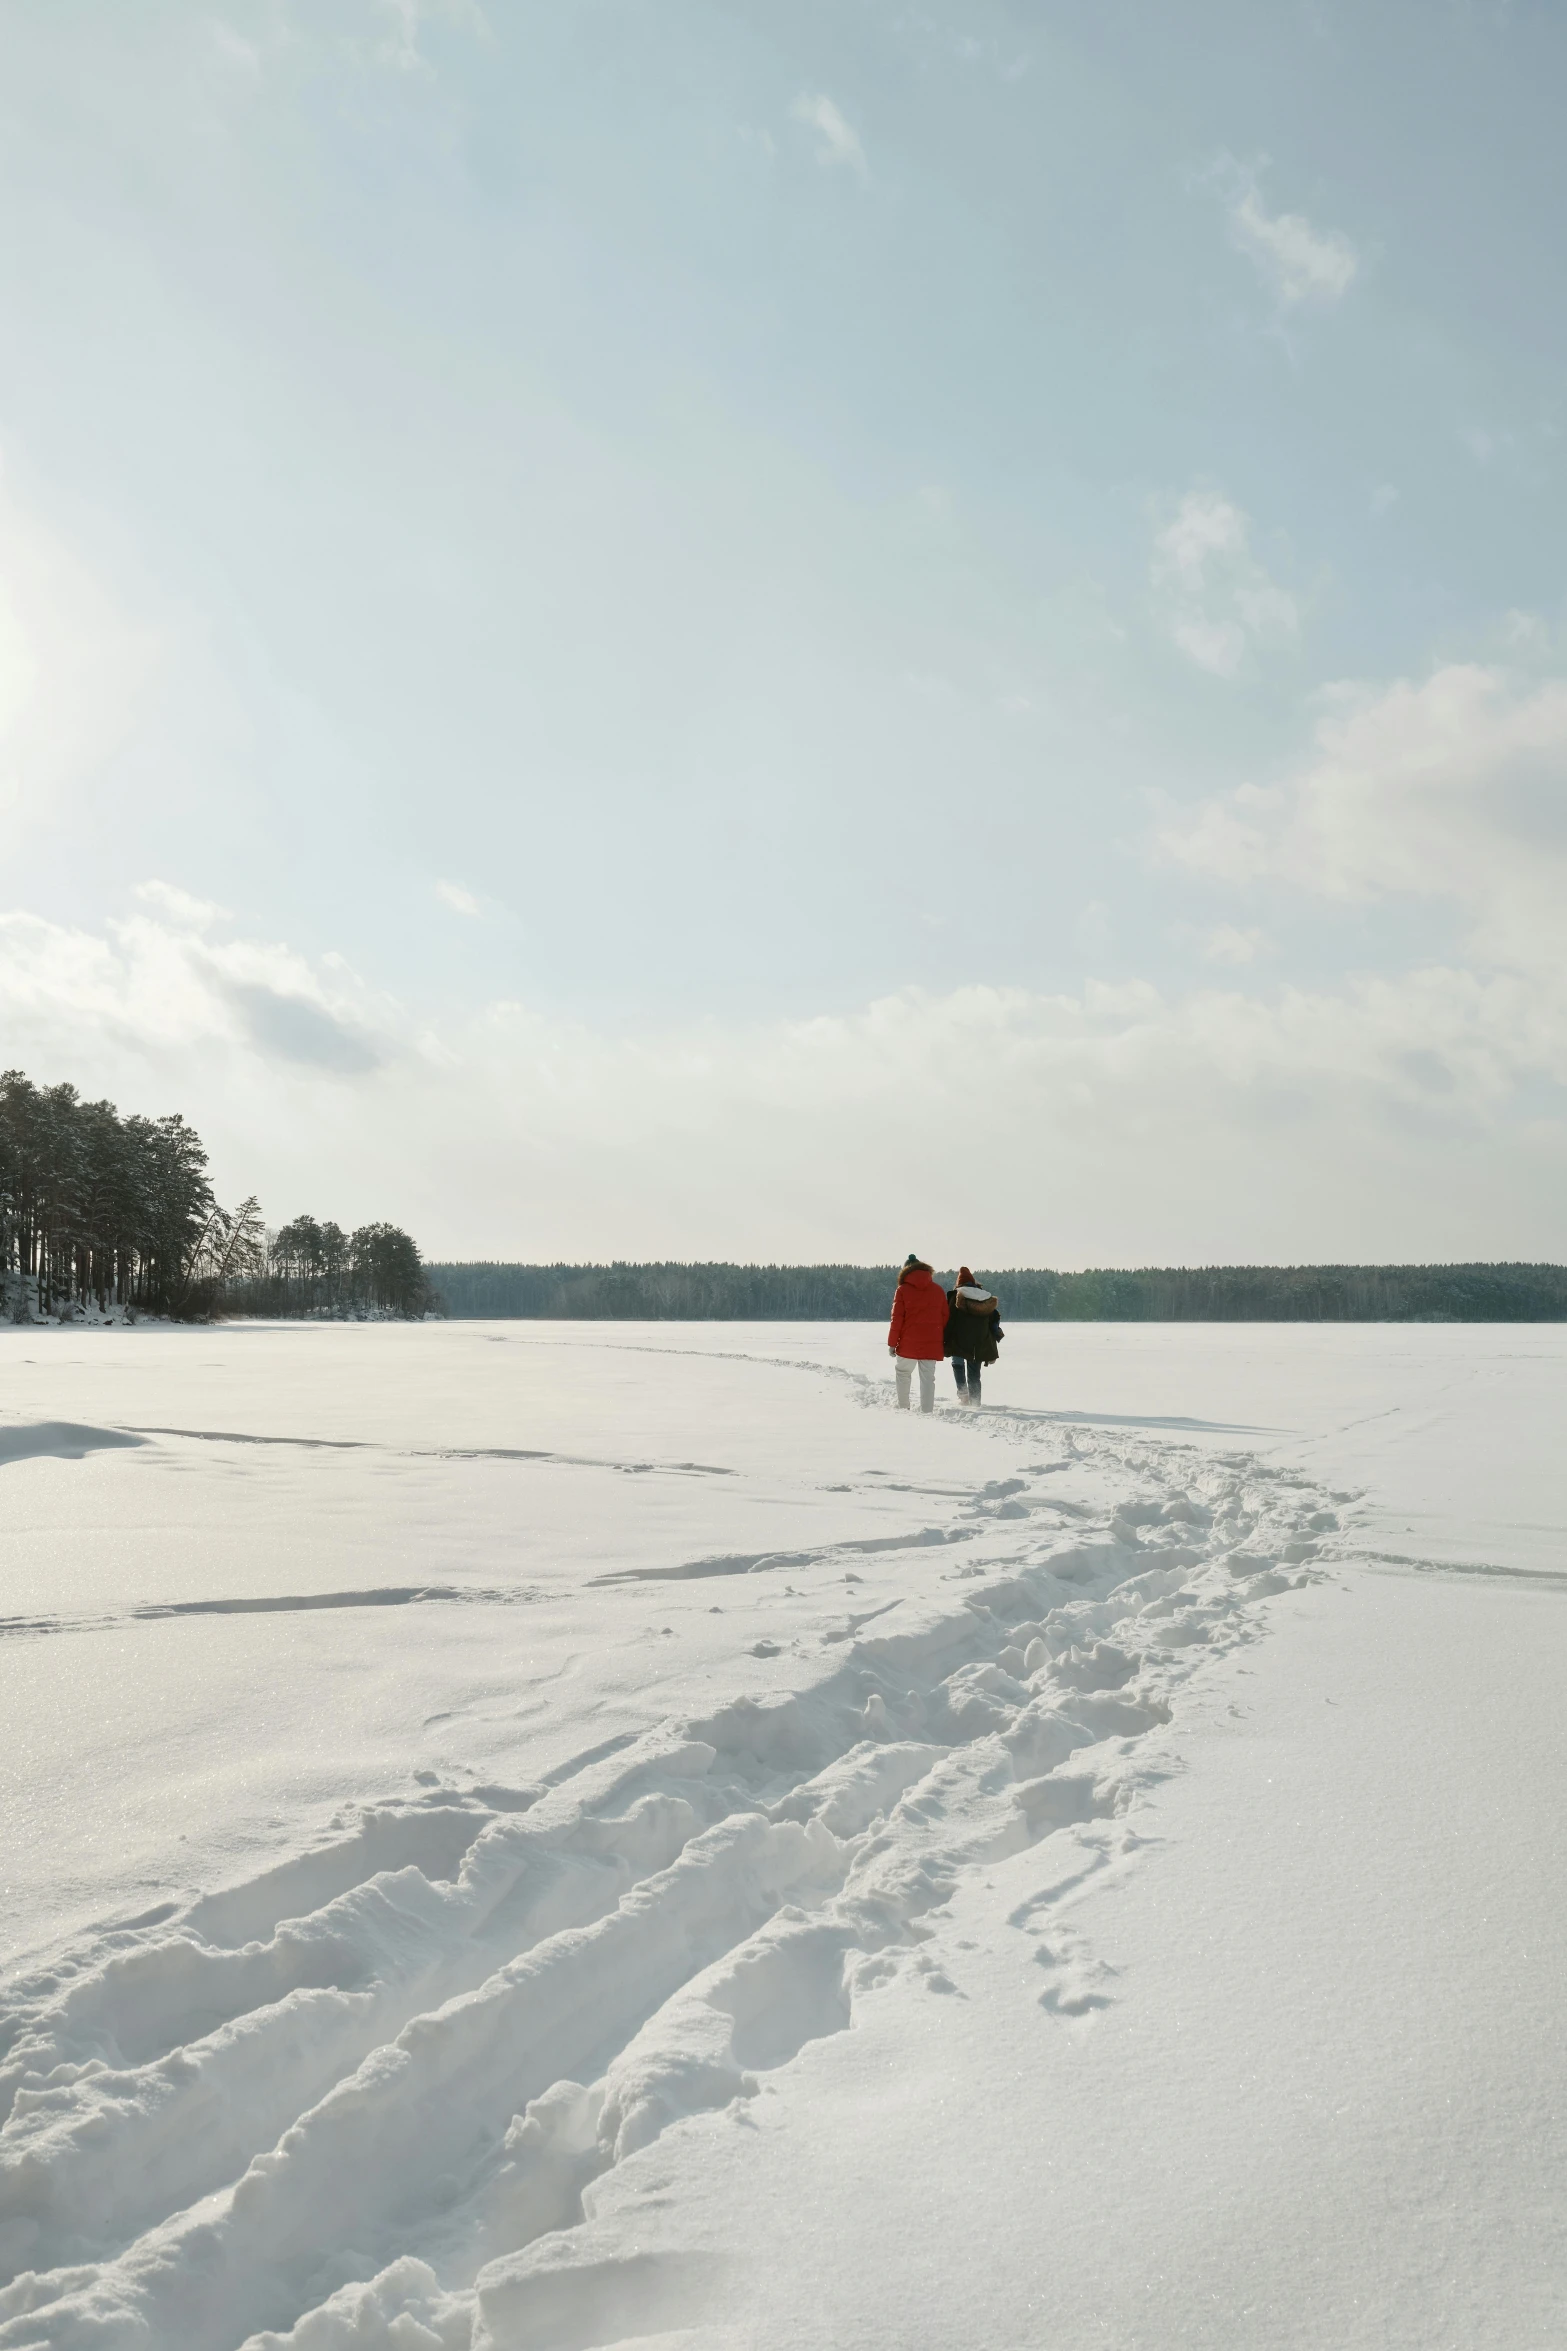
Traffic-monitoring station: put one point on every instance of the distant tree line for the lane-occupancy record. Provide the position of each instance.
(109, 1213)
(667, 1293)
(862, 1293)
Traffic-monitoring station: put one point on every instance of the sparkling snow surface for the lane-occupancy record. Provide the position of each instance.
(559, 1835)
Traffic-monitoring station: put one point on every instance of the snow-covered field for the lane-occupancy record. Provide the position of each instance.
(560, 1835)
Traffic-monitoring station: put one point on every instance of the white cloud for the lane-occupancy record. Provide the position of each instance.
(453, 895)
(399, 46)
(234, 48)
(154, 993)
(1228, 944)
(838, 143)
(1298, 263)
(194, 914)
(1222, 943)
(1453, 788)
(1216, 600)
(1379, 1119)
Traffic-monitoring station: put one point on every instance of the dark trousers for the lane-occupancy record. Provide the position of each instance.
(967, 1376)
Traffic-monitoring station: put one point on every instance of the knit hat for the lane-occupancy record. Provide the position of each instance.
(911, 1259)
(965, 1278)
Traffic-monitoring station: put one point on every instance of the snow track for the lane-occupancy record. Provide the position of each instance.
(362, 2098)
(15, 1628)
(59, 1438)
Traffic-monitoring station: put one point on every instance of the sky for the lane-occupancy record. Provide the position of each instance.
(641, 628)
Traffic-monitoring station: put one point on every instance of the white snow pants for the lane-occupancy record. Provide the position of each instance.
(927, 1372)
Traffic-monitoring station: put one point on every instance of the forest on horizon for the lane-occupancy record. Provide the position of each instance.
(862, 1293)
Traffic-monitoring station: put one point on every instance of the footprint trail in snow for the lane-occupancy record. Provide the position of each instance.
(363, 2099)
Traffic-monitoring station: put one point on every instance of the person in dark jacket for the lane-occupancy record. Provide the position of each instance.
(919, 1317)
(973, 1333)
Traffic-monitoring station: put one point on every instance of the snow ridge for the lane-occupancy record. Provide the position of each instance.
(364, 2098)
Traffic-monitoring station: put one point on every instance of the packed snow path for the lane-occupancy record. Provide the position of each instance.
(379, 2090)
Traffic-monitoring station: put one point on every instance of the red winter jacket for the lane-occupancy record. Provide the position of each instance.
(919, 1317)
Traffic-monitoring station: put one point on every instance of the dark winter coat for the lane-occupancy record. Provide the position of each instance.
(973, 1325)
(919, 1317)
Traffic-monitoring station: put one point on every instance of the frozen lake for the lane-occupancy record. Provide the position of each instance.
(572, 1834)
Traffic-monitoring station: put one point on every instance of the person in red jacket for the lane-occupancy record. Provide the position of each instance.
(917, 1330)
